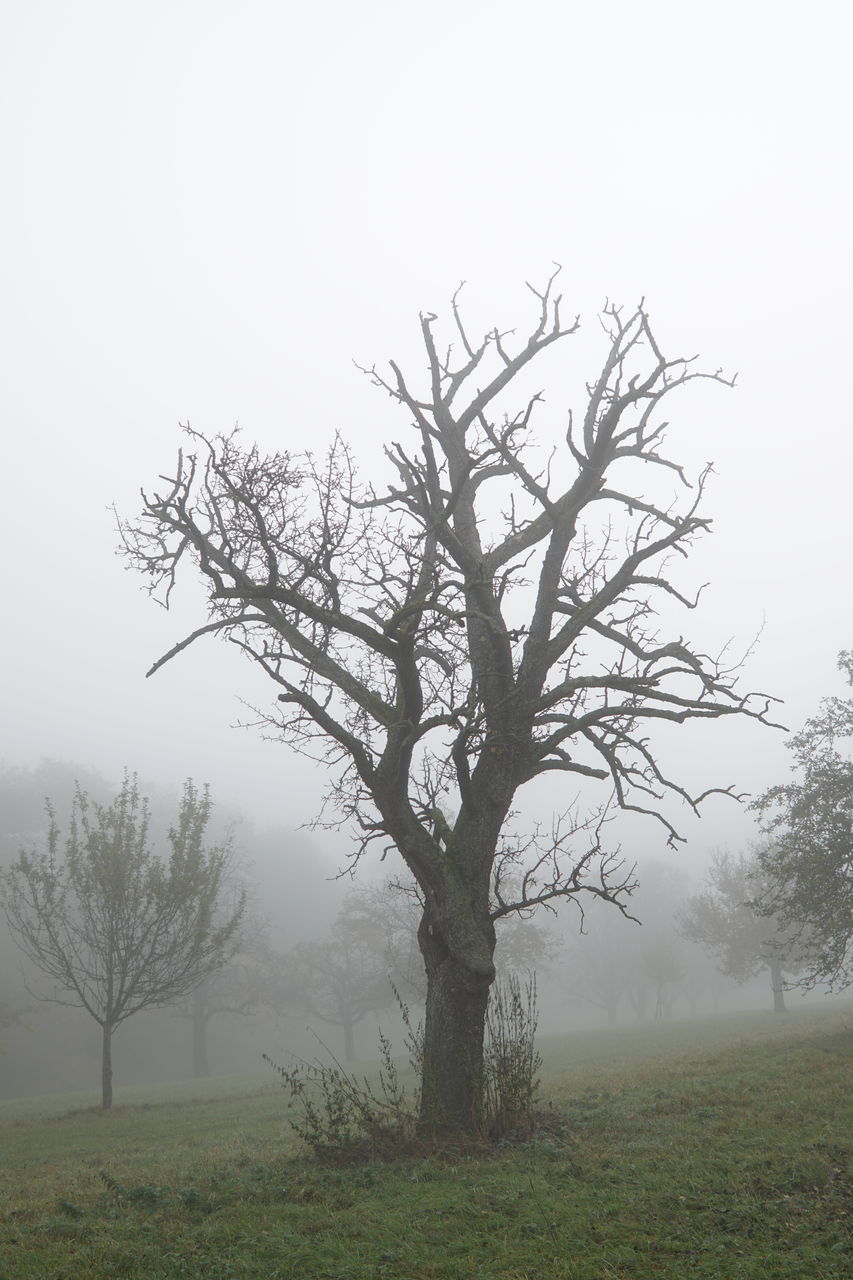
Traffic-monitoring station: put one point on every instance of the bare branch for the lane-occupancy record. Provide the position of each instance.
(482, 620)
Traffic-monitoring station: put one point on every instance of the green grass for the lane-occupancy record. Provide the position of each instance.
(710, 1150)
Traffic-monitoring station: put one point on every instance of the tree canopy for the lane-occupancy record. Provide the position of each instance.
(808, 860)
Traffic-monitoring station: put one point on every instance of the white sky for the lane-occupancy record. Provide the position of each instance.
(210, 208)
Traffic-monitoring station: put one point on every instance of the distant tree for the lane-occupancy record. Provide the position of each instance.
(117, 928)
(389, 913)
(723, 919)
(234, 989)
(342, 979)
(655, 964)
(9, 1017)
(631, 960)
(597, 972)
(661, 967)
(808, 858)
(486, 619)
(22, 796)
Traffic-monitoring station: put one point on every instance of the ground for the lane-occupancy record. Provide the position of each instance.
(719, 1149)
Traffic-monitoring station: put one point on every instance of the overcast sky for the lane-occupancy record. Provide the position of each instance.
(209, 209)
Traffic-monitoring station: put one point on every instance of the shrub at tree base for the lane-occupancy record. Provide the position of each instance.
(346, 1119)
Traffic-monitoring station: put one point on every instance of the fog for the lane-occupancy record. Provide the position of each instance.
(211, 211)
(594, 970)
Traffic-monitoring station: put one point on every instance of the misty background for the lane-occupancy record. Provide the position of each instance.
(210, 212)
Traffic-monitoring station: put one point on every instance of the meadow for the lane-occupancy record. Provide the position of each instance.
(710, 1149)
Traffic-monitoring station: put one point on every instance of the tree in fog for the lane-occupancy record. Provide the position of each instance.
(597, 973)
(488, 618)
(9, 1017)
(634, 963)
(807, 860)
(117, 928)
(389, 913)
(723, 919)
(22, 793)
(339, 980)
(655, 967)
(233, 989)
(662, 970)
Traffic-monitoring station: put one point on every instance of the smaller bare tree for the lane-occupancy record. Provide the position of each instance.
(117, 928)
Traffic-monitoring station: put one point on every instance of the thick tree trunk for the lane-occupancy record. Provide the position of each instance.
(778, 984)
(454, 1030)
(107, 1066)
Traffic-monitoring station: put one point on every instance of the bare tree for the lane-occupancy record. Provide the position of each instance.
(117, 928)
(482, 622)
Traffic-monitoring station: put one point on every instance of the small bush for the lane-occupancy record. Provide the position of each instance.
(347, 1119)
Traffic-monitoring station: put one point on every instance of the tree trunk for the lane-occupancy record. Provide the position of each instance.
(201, 1067)
(778, 984)
(454, 1030)
(107, 1066)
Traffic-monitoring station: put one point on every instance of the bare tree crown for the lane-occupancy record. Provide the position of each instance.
(481, 621)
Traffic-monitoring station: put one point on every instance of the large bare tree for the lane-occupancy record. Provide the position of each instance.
(484, 620)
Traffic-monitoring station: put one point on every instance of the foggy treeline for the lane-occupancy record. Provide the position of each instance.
(319, 954)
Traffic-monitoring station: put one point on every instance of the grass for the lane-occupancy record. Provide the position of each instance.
(709, 1150)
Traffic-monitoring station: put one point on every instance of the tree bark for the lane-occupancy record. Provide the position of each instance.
(107, 1066)
(454, 1031)
(778, 984)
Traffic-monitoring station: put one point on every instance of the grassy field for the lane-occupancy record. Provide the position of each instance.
(717, 1149)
